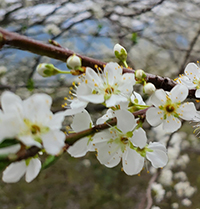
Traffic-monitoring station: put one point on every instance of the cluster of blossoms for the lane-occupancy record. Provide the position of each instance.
(31, 123)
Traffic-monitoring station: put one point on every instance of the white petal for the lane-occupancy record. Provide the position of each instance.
(53, 142)
(171, 124)
(29, 141)
(92, 79)
(56, 121)
(139, 138)
(197, 93)
(94, 98)
(192, 71)
(132, 162)
(187, 111)
(14, 172)
(158, 98)
(37, 107)
(108, 154)
(78, 104)
(114, 72)
(125, 120)
(11, 149)
(80, 148)
(10, 102)
(137, 96)
(154, 116)
(33, 169)
(179, 93)
(115, 100)
(158, 157)
(126, 84)
(81, 121)
(73, 111)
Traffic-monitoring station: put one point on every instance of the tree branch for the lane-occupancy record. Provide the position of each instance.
(59, 53)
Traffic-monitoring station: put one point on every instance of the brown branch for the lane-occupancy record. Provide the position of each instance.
(59, 53)
(69, 140)
(181, 71)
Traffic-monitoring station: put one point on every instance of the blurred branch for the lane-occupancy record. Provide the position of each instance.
(59, 53)
(187, 55)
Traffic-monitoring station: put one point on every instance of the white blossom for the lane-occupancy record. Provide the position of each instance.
(32, 122)
(128, 143)
(158, 191)
(191, 79)
(168, 108)
(81, 121)
(30, 167)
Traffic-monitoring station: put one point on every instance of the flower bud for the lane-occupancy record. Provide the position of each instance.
(47, 70)
(74, 62)
(140, 74)
(149, 88)
(120, 52)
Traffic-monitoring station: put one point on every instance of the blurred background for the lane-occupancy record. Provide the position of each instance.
(161, 37)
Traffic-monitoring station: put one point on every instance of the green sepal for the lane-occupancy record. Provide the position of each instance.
(8, 143)
(30, 84)
(50, 160)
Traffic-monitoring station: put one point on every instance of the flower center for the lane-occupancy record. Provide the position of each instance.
(124, 140)
(197, 83)
(35, 129)
(109, 90)
(170, 108)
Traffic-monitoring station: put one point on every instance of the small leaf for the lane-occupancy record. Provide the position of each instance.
(50, 160)
(134, 38)
(8, 143)
(3, 164)
(30, 84)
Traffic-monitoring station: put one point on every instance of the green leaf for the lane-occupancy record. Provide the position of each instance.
(8, 143)
(134, 38)
(3, 164)
(50, 160)
(30, 84)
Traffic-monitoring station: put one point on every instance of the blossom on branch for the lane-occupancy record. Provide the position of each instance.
(168, 108)
(128, 142)
(191, 79)
(31, 122)
(30, 167)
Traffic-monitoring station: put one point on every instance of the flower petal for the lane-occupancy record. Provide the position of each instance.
(158, 98)
(10, 102)
(139, 138)
(94, 98)
(29, 141)
(79, 148)
(115, 100)
(53, 142)
(187, 111)
(171, 124)
(14, 172)
(33, 169)
(192, 71)
(154, 116)
(197, 93)
(132, 162)
(37, 108)
(11, 149)
(125, 120)
(114, 72)
(179, 93)
(158, 157)
(56, 121)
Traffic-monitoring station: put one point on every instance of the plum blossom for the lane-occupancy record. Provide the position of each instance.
(30, 167)
(168, 108)
(110, 86)
(191, 79)
(81, 121)
(129, 143)
(31, 122)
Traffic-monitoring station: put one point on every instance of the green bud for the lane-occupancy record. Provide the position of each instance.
(120, 52)
(47, 70)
